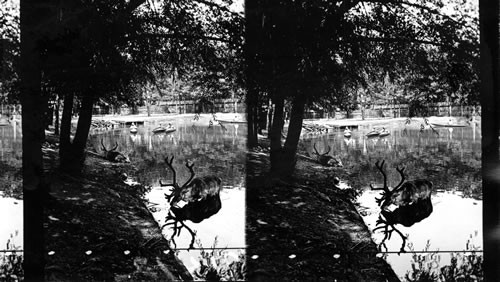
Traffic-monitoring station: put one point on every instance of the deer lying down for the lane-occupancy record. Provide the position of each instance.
(114, 156)
(325, 159)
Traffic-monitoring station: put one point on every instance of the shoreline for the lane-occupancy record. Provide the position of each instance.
(99, 228)
(306, 229)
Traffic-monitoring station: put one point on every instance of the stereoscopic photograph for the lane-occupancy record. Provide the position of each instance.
(259, 140)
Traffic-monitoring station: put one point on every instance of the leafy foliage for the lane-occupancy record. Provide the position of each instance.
(125, 46)
(334, 44)
(11, 263)
(216, 265)
(463, 266)
(9, 52)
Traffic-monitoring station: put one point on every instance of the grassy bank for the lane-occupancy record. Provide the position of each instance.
(98, 228)
(305, 229)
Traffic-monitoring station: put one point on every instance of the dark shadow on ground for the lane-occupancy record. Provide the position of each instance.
(304, 229)
(98, 228)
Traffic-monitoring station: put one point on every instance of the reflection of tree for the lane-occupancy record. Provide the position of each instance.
(213, 151)
(425, 154)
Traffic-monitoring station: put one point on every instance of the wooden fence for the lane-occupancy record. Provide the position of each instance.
(235, 105)
(179, 107)
(401, 110)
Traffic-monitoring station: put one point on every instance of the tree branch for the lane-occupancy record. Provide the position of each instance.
(182, 36)
(415, 5)
(399, 40)
(222, 8)
(134, 4)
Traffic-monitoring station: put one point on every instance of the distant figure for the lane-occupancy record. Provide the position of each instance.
(169, 125)
(347, 132)
(133, 128)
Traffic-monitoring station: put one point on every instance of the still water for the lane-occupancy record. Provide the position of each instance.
(214, 150)
(450, 160)
(11, 204)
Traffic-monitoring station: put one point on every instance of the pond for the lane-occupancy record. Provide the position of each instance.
(11, 204)
(449, 158)
(214, 150)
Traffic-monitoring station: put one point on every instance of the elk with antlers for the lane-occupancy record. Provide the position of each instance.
(114, 156)
(201, 195)
(407, 203)
(325, 159)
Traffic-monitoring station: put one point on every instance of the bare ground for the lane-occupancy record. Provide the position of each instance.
(304, 229)
(98, 228)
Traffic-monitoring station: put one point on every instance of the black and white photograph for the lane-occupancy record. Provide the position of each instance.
(257, 140)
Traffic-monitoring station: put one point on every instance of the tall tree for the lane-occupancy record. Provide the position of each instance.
(33, 16)
(124, 46)
(9, 53)
(314, 47)
(490, 126)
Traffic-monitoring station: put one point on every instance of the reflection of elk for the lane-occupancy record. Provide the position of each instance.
(407, 203)
(325, 159)
(198, 211)
(201, 195)
(114, 156)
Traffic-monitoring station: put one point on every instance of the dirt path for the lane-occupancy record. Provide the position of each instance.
(304, 229)
(98, 228)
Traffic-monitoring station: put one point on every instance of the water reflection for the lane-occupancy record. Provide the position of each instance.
(11, 161)
(451, 160)
(450, 163)
(213, 151)
(455, 222)
(11, 207)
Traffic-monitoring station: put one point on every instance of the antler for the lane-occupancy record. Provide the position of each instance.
(172, 220)
(380, 167)
(176, 190)
(316, 150)
(190, 167)
(164, 184)
(103, 147)
(400, 170)
(169, 164)
(383, 224)
(328, 150)
(317, 153)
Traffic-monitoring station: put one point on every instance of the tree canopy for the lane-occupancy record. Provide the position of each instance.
(307, 51)
(9, 52)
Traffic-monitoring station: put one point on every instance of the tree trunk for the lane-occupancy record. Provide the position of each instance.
(148, 106)
(49, 111)
(82, 132)
(65, 136)
(490, 102)
(56, 122)
(269, 121)
(73, 157)
(275, 135)
(252, 115)
(34, 186)
(288, 159)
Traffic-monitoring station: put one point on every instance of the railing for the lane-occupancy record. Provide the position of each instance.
(179, 107)
(401, 110)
